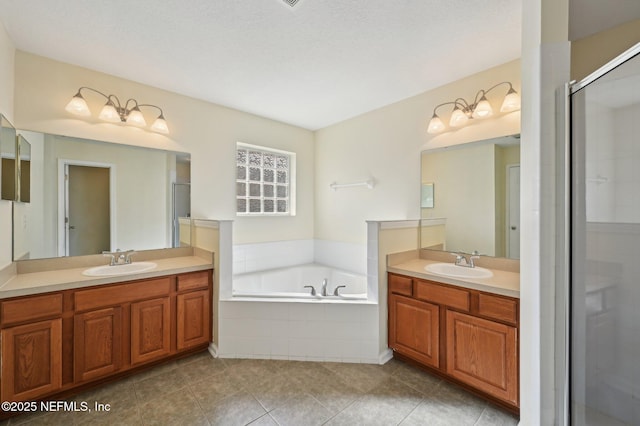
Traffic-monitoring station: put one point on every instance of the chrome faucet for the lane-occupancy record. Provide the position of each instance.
(313, 289)
(463, 260)
(335, 292)
(324, 287)
(119, 257)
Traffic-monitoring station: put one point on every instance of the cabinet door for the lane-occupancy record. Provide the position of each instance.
(31, 360)
(150, 330)
(97, 349)
(193, 319)
(483, 354)
(414, 329)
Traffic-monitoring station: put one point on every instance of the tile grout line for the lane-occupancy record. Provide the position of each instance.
(206, 418)
(410, 412)
(480, 416)
(339, 412)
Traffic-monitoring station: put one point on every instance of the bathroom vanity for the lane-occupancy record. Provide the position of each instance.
(463, 330)
(62, 331)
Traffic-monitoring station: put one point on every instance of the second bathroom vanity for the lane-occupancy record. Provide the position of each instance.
(465, 330)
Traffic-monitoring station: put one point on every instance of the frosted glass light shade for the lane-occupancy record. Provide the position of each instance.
(435, 125)
(78, 106)
(160, 125)
(458, 118)
(109, 113)
(135, 118)
(511, 101)
(483, 109)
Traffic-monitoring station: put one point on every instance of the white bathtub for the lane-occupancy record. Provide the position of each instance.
(270, 315)
(288, 283)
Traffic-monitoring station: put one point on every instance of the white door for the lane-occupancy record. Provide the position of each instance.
(513, 221)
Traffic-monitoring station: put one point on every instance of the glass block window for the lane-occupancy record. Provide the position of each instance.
(265, 181)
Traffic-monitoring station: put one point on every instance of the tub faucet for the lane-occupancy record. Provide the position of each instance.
(313, 290)
(335, 292)
(324, 287)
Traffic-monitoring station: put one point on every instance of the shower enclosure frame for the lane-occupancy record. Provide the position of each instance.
(564, 235)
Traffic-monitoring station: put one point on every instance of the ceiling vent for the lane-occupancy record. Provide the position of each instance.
(291, 2)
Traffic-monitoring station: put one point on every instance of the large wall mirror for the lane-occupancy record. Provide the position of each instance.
(88, 196)
(8, 157)
(476, 198)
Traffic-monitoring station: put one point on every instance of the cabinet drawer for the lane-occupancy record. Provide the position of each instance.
(30, 308)
(400, 285)
(499, 308)
(193, 281)
(118, 294)
(442, 295)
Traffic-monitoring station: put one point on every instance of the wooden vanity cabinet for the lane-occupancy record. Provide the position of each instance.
(483, 354)
(150, 330)
(466, 336)
(97, 343)
(31, 360)
(55, 342)
(31, 340)
(414, 325)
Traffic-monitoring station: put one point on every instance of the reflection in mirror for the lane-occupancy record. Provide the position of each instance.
(8, 156)
(24, 170)
(89, 196)
(478, 206)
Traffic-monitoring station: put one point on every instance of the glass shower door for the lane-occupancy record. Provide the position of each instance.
(605, 246)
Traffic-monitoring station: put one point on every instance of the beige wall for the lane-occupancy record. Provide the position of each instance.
(7, 52)
(385, 144)
(208, 131)
(590, 53)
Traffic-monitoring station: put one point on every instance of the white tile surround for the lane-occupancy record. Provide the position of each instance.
(298, 330)
(279, 254)
(271, 255)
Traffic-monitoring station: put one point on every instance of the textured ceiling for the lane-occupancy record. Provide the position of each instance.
(311, 65)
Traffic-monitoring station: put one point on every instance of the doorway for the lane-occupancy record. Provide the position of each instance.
(86, 222)
(513, 211)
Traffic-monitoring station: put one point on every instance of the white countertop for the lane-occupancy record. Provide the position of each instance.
(502, 282)
(64, 279)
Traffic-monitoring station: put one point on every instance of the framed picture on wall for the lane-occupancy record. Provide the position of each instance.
(427, 196)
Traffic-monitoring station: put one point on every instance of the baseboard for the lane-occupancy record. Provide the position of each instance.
(213, 350)
(385, 356)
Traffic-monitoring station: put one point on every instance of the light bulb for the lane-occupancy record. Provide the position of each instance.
(435, 125)
(511, 101)
(135, 118)
(109, 113)
(458, 118)
(483, 108)
(160, 125)
(78, 106)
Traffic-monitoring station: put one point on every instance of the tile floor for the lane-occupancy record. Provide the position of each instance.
(201, 390)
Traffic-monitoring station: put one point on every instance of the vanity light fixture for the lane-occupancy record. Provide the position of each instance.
(114, 112)
(480, 108)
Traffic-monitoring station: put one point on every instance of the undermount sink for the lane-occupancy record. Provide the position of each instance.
(124, 269)
(455, 271)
